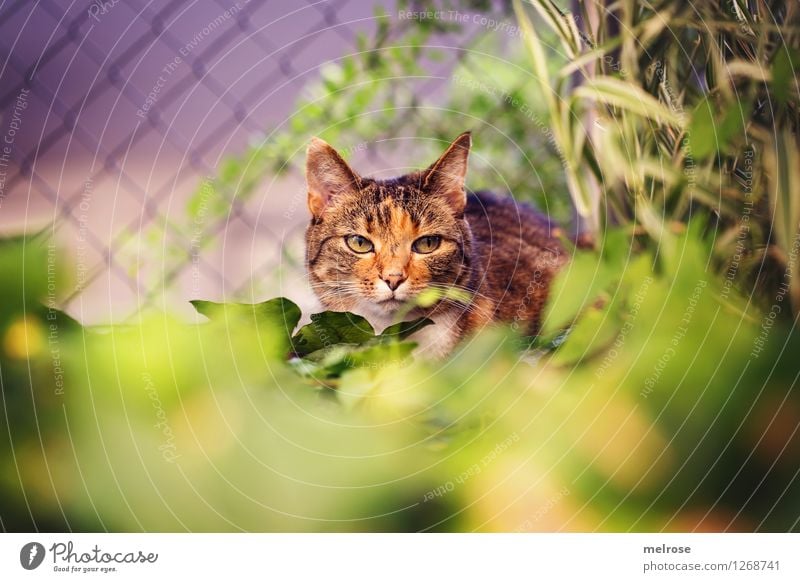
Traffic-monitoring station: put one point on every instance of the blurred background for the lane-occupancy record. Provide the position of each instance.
(151, 153)
(136, 112)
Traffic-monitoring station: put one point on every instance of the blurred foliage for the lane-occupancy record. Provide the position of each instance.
(666, 406)
(322, 350)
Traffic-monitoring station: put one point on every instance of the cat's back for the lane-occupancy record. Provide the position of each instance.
(495, 218)
(519, 252)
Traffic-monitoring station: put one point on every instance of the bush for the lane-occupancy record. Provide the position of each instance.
(667, 405)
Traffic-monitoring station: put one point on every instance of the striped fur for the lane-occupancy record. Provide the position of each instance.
(504, 254)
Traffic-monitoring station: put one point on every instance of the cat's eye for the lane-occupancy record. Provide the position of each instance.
(358, 243)
(426, 244)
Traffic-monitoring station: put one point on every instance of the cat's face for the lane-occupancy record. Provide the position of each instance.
(373, 245)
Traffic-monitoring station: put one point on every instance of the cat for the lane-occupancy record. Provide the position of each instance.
(372, 246)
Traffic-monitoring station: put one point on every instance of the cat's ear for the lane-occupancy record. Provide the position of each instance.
(327, 176)
(446, 176)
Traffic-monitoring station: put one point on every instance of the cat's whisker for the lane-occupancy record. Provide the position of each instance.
(338, 294)
(470, 292)
(335, 286)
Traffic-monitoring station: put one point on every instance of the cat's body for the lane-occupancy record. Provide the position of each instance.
(374, 245)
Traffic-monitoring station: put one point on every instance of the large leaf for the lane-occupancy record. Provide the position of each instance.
(276, 317)
(593, 332)
(783, 73)
(709, 134)
(562, 24)
(278, 310)
(326, 365)
(629, 97)
(783, 174)
(400, 331)
(330, 328)
(538, 59)
(580, 283)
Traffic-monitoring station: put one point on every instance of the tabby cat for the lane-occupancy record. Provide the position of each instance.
(372, 246)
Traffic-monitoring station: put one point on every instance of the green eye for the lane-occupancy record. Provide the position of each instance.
(358, 243)
(426, 244)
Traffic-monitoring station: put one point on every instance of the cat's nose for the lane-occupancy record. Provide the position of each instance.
(394, 280)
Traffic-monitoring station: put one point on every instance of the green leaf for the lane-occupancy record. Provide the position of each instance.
(330, 328)
(197, 205)
(587, 276)
(430, 297)
(382, 353)
(538, 59)
(630, 97)
(400, 331)
(331, 362)
(562, 24)
(594, 330)
(278, 310)
(780, 160)
(708, 134)
(57, 319)
(231, 170)
(732, 124)
(701, 129)
(783, 73)
(377, 355)
(276, 317)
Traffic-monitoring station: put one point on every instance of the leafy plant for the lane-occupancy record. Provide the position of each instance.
(666, 407)
(664, 108)
(323, 349)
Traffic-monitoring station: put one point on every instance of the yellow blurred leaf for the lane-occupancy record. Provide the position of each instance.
(24, 338)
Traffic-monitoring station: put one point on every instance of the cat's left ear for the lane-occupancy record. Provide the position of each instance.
(447, 175)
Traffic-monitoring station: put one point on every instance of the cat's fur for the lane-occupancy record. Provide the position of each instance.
(503, 253)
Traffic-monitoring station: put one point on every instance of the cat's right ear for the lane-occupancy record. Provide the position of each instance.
(327, 176)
